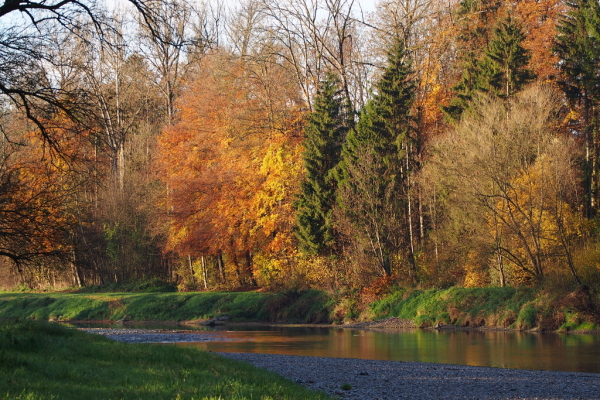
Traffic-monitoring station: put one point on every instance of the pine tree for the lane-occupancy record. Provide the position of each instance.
(375, 166)
(324, 134)
(504, 68)
(500, 70)
(578, 46)
(475, 20)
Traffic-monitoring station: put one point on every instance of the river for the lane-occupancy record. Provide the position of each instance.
(536, 351)
(505, 349)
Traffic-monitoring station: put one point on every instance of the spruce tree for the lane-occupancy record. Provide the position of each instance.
(324, 133)
(500, 70)
(504, 69)
(373, 172)
(578, 46)
(475, 22)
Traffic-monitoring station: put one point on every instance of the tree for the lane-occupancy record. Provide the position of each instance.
(377, 161)
(228, 163)
(507, 183)
(172, 44)
(324, 133)
(29, 26)
(314, 37)
(578, 46)
(501, 69)
(39, 196)
(504, 66)
(475, 20)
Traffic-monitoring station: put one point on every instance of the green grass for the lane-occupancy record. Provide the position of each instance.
(310, 306)
(523, 308)
(47, 361)
(514, 308)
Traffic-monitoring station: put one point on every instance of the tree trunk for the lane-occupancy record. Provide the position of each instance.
(203, 259)
(250, 269)
(191, 266)
(221, 266)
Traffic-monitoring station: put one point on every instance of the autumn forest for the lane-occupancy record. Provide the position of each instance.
(300, 143)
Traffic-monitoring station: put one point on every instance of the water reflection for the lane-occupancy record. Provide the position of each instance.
(495, 349)
(543, 351)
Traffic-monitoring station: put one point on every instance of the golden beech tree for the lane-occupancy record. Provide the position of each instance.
(229, 165)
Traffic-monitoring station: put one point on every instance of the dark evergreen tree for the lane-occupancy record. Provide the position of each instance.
(376, 163)
(578, 46)
(504, 67)
(475, 20)
(500, 70)
(324, 134)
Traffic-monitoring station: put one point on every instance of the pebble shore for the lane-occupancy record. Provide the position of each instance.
(386, 380)
(356, 379)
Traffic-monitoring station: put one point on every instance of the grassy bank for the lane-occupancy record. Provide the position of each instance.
(523, 308)
(510, 308)
(47, 361)
(295, 307)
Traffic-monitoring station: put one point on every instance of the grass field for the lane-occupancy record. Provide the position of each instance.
(47, 361)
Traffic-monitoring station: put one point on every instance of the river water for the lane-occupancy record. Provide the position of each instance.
(521, 350)
(539, 351)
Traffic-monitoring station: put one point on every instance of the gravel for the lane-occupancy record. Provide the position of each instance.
(153, 335)
(356, 379)
(374, 379)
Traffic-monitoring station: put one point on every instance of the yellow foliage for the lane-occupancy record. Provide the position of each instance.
(533, 220)
(476, 273)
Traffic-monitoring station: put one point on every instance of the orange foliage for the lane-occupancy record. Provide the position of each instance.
(230, 161)
(539, 18)
(40, 191)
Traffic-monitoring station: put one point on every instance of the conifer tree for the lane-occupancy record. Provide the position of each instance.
(504, 68)
(376, 162)
(475, 20)
(578, 46)
(324, 134)
(500, 70)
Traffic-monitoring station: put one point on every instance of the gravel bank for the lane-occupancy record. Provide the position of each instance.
(386, 380)
(153, 335)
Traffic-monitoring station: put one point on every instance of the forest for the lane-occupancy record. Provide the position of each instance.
(291, 144)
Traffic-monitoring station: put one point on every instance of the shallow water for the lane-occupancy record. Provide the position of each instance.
(538, 351)
(543, 351)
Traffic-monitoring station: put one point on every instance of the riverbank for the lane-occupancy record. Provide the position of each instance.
(47, 361)
(454, 308)
(354, 379)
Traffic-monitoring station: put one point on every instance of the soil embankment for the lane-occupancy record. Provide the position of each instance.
(454, 308)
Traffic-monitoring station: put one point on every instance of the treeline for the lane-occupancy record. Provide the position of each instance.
(305, 143)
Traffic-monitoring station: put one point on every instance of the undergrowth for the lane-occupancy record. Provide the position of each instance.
(514, 308)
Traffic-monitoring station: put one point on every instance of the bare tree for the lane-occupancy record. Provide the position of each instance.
(177, 36)
(316, 36)
(508, 172)
(25, 35)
